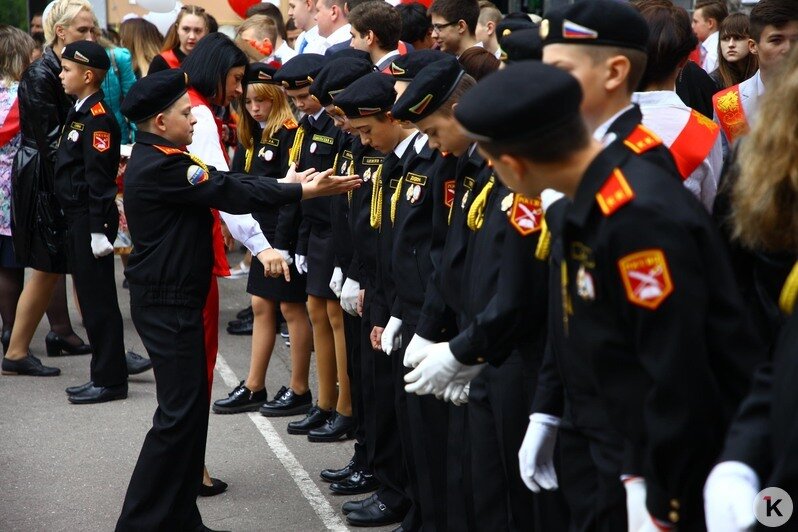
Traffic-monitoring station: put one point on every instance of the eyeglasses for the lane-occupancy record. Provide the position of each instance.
(439, 27)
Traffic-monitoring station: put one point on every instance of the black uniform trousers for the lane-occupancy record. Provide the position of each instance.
(163, 490)
(96, 289)
(354, 368)
(382, 436)
(423, 424)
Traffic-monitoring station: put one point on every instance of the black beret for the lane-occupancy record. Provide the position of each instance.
(405, 67)
(350, 52)
(154, 93)
(525, 100)
(522, 45)
(598, 22)
(88, 54)
(299, 71)
(336, 75)
(429, 90)
(369, 95)
(513, 22)
(260, 73)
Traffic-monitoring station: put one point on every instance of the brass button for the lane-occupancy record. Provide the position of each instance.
(674, 517)
(480, 360)
(675, 504)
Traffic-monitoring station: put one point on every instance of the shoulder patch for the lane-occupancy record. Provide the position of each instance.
(97, 109)
(646, 278)
(642, 140)
(615, 193)
(290, 124)
(101, 141)
(167, 150)
(448, 192)
(526, 215)
(196, 175)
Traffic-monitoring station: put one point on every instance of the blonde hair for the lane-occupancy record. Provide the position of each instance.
(765, 196)
(62, 13)
(143, 40)
(16, 48)
(280, 112)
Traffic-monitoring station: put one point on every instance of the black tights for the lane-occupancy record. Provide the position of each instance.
(11, 280)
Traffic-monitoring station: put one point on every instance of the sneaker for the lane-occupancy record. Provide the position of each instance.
(241, 399)
(239, 272)
(284, 330)
(287, 403)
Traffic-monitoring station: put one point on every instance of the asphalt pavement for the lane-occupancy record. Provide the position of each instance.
(66, 468)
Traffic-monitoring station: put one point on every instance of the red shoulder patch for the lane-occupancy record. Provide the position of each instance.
(615, 193)
(290, 124)
(167, 150)
(527, 215)
(646, 278)
(448, 192)
(97, 109)
(642, 139)
(101, 141)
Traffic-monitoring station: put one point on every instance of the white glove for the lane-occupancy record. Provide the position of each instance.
(100, 245)
(549, 196)
(636, 512)
(456, 393)
(301, 263)
(391, 339)
(729, 497)
(286, 256)
(349, 295)
(337, 281)
(438, 369)
(415, 348)
(536, 456)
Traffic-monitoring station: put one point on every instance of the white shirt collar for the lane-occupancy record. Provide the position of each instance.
(386, 56)
(601, 131)
(472, 149)
(710, 44)
(658, 99)
(318, 114)
(79, 103)
(420, 142)
(401, 148)
(340, 35)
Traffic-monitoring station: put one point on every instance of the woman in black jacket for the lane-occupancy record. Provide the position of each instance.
(38, 221)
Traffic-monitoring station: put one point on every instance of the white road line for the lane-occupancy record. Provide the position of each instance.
(301, 478)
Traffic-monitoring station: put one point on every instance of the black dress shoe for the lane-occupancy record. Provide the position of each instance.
(30, 365)
(72, 390)
(287, 403)
(352, 506)
(217, 486)
(315, 418)
(244, 314)
(99, 394)
(356, 484)
(338, 428)
(58, 346)
(337, 475)
(241, 399)
(5, 339)
(241, 328)
(376, 514)
(136, 363)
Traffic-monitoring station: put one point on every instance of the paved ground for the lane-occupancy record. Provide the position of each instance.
(66, 468)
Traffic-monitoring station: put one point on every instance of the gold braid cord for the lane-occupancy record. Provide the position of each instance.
(248, 159)
(197, 161)
(789, 293)
(476, 214)
(376, 199)
(544, 242)
(350, 172)
(296, 147)
(395, 199)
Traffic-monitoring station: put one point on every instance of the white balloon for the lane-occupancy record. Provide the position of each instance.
(158, 6)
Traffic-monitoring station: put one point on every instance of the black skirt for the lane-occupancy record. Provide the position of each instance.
(321, 263)
(276, 288)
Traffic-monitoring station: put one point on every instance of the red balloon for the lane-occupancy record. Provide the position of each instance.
(241, 6)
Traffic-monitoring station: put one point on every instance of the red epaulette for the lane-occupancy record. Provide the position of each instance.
(167, 150)
(97, 109)
(290, 124)
(642, 139)
(615, 193)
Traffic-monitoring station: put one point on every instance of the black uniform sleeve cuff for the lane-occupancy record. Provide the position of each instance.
(463, 351)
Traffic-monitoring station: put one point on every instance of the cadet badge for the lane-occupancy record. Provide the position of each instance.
(268, 155)
(527, 214)
(344, 167)
(646, 278)
(73, 136)
(448, 193)
(196, 175)
(367, 174)
(416, 193)
(101, 140)
(585, 288)
(507, 202)
(312, 147)
(409, 193)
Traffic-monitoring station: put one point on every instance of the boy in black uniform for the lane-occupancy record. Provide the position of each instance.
(168, 193)
(647, 309)
(85, 184)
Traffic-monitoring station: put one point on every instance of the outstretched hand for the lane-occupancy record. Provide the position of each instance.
(292, 176)
(325, 184)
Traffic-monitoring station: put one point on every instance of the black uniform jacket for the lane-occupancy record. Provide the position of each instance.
(167, 202)
(364, 238)
(419, 227)
(443, 300)
(87, 163)
(652, 321)
(339, 206)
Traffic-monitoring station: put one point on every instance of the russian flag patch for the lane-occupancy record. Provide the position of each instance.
(572, 30)
(196, 175)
